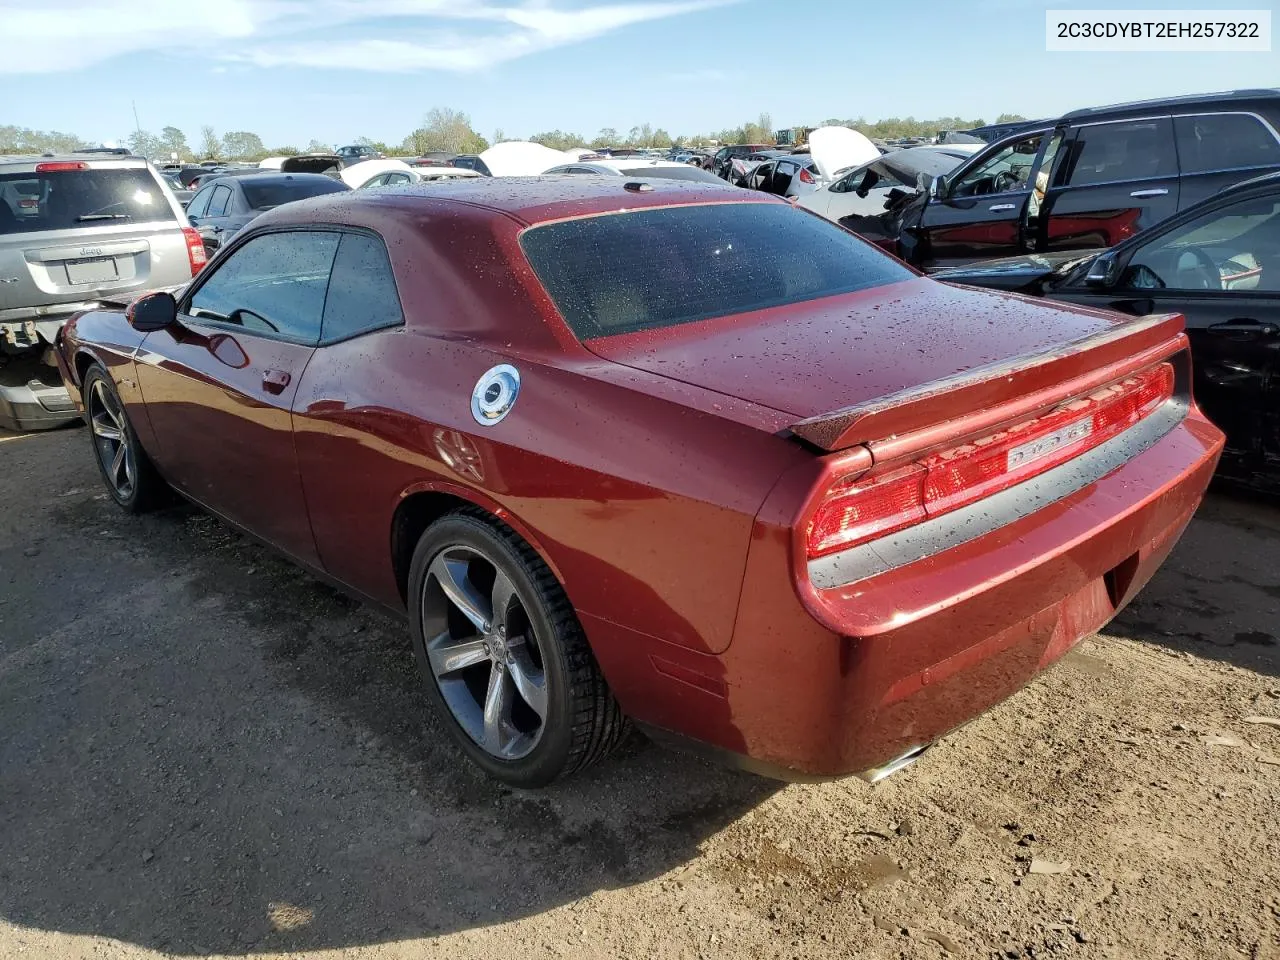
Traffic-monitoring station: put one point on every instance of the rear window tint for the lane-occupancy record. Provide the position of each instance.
(647, 269)
(74, 199)
(362, 291)
(264, 196)
(1224, 141)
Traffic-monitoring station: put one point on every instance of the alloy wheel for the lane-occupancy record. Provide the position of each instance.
(110, 438)
(483, 653)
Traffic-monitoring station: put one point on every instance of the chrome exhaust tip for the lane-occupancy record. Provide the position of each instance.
(876, 774)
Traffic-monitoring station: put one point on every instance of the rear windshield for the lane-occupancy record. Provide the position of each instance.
(647, 269)
(71, 199)
(263, 196)
(673, 173)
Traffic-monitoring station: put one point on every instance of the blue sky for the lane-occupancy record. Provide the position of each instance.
(291, 70)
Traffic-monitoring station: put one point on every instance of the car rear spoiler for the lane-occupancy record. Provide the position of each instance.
(918, 408)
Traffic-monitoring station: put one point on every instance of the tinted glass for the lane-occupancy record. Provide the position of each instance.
(1138, 150)
(219, 201)
(199, 203)
(1224, 141)
(1007, 170)
(73, 199)
(695, 174)
(274, 284)
(362, 292)
(1234, 249)
(662, 267)
(264, 196)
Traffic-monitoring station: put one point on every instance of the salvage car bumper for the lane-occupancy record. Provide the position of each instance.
(860, 677)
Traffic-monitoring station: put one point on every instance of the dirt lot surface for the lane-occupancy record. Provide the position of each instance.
(204, 751)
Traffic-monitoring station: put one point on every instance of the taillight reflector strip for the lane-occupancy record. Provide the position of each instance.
(853, 511)
(195, 249)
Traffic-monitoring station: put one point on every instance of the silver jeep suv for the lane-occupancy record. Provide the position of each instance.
(76, 230)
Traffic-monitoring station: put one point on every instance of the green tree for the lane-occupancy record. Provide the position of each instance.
(607, 137)
(144, 144)
(1007, 118)
(173, 140)
(243, 145)
(25, 140)
(558, 139)
(210, 145)
(447, 130)
(315, 146)
(661, 138)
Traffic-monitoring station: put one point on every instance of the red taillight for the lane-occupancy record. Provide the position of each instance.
(855, 511)
(57, 166)
(195, 249)
(806, 176)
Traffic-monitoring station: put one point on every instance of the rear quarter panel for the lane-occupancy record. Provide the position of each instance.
(642, 506)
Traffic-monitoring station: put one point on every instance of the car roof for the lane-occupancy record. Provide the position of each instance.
(268, 177)
(528, 200)
(94, 161)
(1174, 103)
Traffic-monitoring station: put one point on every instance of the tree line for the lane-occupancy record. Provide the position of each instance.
(450, 131)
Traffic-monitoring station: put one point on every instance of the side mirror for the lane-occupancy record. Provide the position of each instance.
(1103, 272)
(938, 188)
(155, 311)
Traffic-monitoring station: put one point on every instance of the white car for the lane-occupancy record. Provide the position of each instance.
(862, 190)
(389, 171)
(638, 167)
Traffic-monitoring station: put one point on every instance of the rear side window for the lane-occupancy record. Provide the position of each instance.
(220, 200)
(264, 196)
(199, 203)
(74, 199)
(273, 284)
(1133, 150)
(362, 291)
(1224, 141)
(647, 269)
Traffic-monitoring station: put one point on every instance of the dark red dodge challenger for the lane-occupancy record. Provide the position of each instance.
(661, 452)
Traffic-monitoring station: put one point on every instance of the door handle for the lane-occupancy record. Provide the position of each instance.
(274, 381)
(1153, 192)
(1001, 206)
(217, 229)
(1245, 325)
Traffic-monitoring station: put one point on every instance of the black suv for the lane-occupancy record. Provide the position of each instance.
(1091, 179)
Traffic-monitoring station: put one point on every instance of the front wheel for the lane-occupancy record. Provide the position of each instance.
(503, 656)
(130, 478)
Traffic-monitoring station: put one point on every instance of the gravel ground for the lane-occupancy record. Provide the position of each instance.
(203, 751)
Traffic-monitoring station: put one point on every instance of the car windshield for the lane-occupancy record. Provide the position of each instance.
(70, 199)
(662, 267)
(264, 196)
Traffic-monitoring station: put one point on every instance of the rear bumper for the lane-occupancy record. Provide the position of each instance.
(926, 646)
(33, 398)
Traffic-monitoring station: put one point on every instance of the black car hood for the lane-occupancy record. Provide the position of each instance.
(1011, 273)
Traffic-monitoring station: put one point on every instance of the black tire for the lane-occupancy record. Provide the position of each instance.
(146, 489)
(583, 723)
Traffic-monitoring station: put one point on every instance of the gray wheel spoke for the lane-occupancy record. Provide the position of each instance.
(530, 683)
(106, 430)
(503, 591)
(116, 463)
(448, 656)
(497, 710)
(462, 593)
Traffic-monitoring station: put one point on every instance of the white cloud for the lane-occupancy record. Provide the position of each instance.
(62, 35)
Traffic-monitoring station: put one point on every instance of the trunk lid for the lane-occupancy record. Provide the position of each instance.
(877, 363)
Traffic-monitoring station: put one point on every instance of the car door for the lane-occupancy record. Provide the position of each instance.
(211, 223)
(1115, 179)
(784, 171)
(981, 211)
(219, 385)
(1217, 150)
(362, 323)
(1221, 270)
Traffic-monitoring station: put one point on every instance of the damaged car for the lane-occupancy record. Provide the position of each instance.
(1092, 179)
(1217, 264)
(865, 190)
(76, 230)
(658, 453)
